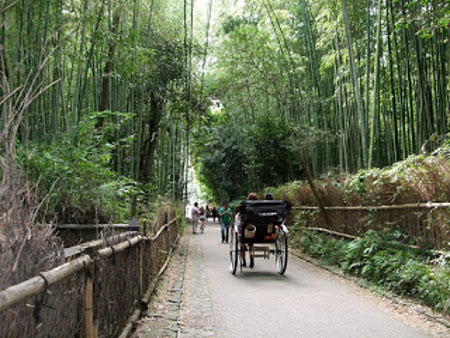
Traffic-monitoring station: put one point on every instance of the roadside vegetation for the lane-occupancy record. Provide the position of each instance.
(418, 179)
(106, 104)
(74, 177)
(408, 256)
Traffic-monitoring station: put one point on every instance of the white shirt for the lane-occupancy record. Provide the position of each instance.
(195, 213)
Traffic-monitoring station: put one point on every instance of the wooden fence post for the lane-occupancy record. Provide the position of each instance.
(89, 304)
(167, 239)
(141, 268)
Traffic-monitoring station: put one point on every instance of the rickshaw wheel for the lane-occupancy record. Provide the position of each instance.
(234, 252)
(281, 256)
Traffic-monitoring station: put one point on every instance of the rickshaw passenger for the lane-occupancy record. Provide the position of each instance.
(268, 196)
(251, 197)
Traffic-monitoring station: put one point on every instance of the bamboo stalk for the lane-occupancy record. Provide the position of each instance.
(107, 252)
(89, 307)
(146, 297)
(16, 293)
(83, 247)
(131, 323)
(331, 232)
(19, 292)
(162, 229)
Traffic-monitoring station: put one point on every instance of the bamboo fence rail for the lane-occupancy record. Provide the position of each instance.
(73, 234)
(116, 283)
(351, 237)
(426, 223)
(17, 293)
(76, 250)
(379, 207)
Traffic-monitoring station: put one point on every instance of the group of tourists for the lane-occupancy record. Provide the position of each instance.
(201, 214)
(198, 217)
(223, 214)
(204, 213)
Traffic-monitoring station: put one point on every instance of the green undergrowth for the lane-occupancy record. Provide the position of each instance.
(73, 175)
(80, 179)
(385, 260)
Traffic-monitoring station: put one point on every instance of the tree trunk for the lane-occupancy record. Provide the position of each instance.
(314, 190)
(392, 82)
(149, 140)
(376, 88)
(106, 81)
(354, 75)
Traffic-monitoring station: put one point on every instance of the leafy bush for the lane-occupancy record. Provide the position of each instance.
(383, 259)
(75, 175)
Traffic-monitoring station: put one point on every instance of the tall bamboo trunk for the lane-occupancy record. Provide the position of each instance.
(354, 76)
(376, 89)
(106, 80)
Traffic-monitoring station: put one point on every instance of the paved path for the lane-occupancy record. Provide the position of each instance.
(196, 318)
(306, 302)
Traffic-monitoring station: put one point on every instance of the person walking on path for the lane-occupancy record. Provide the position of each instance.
(214, 213)
(202, 219)
(195, 215)
(225, 215)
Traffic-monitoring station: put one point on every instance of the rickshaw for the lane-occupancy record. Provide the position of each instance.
(261, 223)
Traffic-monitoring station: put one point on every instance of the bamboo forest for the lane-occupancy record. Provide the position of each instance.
(118, 116)
(109, 101)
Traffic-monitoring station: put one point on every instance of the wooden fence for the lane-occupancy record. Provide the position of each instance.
(72, 234)
(428, 224)
(97, 294)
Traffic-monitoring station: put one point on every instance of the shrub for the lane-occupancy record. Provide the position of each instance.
(75, 175)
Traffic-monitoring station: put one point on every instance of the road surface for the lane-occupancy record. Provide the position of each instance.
(306, 302)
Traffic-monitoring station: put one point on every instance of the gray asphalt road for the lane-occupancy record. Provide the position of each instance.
(306, 302)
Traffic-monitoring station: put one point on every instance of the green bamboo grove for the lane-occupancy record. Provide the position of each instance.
(240, 89)
(352, 84)
(120, 63)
